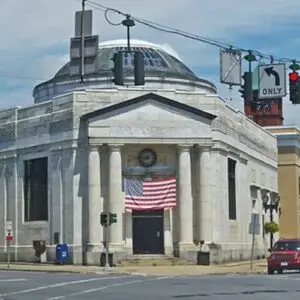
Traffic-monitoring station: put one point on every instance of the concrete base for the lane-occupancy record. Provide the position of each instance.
(79, 255)
(186, 251)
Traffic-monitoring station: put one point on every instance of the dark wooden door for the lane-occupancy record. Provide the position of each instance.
(148, 232)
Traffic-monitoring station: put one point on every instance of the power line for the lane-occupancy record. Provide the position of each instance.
(216, 43)
(22, 78)
(171, 30)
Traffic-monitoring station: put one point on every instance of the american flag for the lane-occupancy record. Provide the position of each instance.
(150, 195)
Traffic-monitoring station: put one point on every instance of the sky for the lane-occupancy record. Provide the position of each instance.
(35, 37)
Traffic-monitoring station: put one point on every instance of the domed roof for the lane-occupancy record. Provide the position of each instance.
(162, 65)
(159, 62)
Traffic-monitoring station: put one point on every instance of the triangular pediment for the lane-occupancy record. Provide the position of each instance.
(150, 116)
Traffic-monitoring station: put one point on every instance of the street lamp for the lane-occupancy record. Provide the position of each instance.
(271, 205)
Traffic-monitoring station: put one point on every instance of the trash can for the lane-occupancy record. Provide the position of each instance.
(203, 258)
(61, 253)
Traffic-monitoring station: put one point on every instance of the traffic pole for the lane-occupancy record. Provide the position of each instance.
(106, 233)
(8, 254)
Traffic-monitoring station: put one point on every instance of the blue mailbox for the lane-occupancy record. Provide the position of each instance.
(61, 253)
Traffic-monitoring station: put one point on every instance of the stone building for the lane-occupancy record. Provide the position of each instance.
(288, 178)
(63, 161)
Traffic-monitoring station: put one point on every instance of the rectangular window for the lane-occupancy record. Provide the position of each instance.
(36, 189)
(231, 189)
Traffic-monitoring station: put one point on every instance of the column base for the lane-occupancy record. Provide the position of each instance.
(92, 254)
(118, 251)
(187, 251)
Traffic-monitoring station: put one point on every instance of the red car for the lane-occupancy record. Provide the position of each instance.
(285, 255)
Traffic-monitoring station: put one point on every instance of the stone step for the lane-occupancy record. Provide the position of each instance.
(151, 260)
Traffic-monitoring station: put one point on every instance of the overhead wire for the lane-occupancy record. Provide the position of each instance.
(167, 29)
(171, 30)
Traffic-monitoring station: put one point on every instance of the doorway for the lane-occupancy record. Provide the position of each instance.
(148, 232)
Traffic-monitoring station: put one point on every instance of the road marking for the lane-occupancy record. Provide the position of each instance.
(107, 287)
(13, 280)
(59, 285)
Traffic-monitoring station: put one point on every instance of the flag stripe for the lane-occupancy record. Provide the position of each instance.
(150, 195)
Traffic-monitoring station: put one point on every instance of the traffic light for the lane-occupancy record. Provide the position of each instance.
(112, 218)
(118, 69)
(294, 88)
(104, 218)
(246, 88)
(139, 68)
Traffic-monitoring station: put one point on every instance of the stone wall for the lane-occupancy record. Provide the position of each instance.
(54, 129)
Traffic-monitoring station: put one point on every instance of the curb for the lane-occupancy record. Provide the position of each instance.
(53, 271)
(132, 273)
(236, 273)
(97, 272)
(47, 271)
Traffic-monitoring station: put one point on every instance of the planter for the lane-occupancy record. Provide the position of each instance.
(271, 227)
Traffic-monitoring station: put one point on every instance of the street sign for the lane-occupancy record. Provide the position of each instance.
(8, 225)
(254, 226)
(230, 67)
(9, 238)
(272, 81)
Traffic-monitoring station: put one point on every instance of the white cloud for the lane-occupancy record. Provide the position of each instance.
(31, 32)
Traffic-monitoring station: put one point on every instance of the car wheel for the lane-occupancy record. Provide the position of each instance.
(270, 271)
(280, 271)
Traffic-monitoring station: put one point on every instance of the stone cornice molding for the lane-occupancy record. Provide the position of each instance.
(220, 147)
(225, 148)
(63, 147)
(147, 141)
(8, 155)
(241, 137)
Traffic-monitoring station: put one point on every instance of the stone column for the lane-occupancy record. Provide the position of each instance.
(94, 197)
(185, 196)
(116, 199)
(204, 203)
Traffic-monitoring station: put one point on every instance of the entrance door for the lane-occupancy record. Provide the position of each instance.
(148, 232)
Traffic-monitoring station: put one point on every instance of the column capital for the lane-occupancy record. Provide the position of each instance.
(115, 147)
(184, 147)
(94, 147)
(203, 148)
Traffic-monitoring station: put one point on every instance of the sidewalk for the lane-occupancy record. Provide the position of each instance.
(230, 268)
(259, 267)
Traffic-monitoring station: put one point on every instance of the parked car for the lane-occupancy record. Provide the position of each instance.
(285, 255)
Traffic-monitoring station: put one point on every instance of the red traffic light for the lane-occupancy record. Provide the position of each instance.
(293, 76)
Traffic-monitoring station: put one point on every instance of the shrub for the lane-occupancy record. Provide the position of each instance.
(271, 227)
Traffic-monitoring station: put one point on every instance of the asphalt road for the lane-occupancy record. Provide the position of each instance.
(52, 286)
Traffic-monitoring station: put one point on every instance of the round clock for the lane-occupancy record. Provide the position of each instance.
(147, 158)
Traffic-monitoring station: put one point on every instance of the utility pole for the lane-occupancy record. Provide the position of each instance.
(82, 42)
